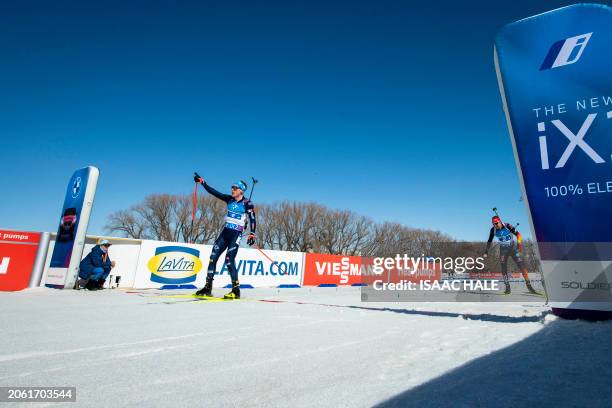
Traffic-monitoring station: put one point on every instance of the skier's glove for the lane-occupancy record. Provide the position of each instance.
(251, 239)
(520, 247)
(198, 179)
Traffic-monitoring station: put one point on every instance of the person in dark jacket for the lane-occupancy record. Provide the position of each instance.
(508, 248)
(239, 210)
(95, 267)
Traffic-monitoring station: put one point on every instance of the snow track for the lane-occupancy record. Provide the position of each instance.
(300, 347)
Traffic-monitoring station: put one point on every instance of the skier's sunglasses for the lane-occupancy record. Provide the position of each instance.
(235, 188)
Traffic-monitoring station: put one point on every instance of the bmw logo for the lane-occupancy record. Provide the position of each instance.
(76, 187)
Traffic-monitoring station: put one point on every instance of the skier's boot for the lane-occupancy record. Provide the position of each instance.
(531, 289)
(507, 291)
(528, 283)
(235, 292)
(206, 291)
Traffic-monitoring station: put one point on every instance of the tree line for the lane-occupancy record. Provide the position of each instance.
(291, 226)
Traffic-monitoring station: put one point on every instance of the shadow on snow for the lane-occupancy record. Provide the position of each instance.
(567, 363)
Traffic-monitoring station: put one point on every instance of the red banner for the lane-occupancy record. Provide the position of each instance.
(350, 270)
(422, 271)
(492, 275)
(332, 269)
(17, 256)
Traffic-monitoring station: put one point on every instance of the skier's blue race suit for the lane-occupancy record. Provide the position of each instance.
(507, 247)
(238, 212)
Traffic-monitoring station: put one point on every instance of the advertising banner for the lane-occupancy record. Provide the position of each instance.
(412, 274)
(256, 269)
(374, 271)
(17, 255)
(72, 228)
(324, 269)
(170, 263)
(493, 275)
(554, 77)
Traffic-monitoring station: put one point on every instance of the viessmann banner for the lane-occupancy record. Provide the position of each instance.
(342, 270)
(554, 76)
(170, 263)
(324, 269)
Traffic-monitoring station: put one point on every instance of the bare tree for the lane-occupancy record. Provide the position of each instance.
(343, 232)
(292, 226)
(167, 217)
(209, 219)
(126, 223)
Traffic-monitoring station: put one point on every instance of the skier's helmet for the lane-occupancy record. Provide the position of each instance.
(241, 185)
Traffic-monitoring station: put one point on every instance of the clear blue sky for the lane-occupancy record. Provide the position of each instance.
(387, 108)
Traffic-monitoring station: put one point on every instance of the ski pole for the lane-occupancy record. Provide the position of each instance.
(255, 181)
(193, 207)
(251, 195)
(270, 259)
(193, 211)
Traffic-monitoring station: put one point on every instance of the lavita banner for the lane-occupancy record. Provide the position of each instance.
(170, 263)
(553, 72)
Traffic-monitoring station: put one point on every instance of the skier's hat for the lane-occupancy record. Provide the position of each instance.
(241, 185)
(495, 219)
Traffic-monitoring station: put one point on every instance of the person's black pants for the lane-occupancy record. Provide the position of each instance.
(504, 255)
(228, 239)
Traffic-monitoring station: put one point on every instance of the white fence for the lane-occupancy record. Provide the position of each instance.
(124, 251)
(162, 263)
(153, 264)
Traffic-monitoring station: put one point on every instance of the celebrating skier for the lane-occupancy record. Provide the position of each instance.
(239, 209)
(508, 248)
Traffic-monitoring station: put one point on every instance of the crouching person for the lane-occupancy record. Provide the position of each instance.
(95, 267)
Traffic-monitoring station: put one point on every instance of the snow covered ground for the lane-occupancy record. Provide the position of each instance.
(308, 347)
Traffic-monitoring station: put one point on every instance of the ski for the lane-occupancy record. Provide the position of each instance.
(195, 297)
(533, 294)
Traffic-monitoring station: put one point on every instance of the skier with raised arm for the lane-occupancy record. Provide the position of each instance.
(239, 211)
(508, 248)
